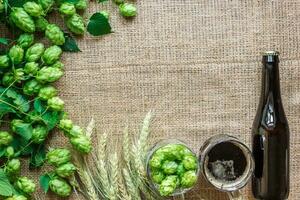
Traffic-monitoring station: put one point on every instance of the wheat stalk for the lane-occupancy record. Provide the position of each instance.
(126, 148)
(114, 172)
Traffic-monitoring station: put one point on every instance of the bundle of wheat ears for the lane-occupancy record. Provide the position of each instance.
(117, 174)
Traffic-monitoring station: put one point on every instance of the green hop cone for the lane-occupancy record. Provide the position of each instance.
(47, 5)
(180, 170)
(168, 185)
(67, 9)
(8, 79)
(4, 61)
(65, 170)
(60, 187)
(31, 68)
(52, 54)
(16, 123)
(5, 138)
(190, 162)
(41, 24)
(26, 185)
(19, 75)
(188, 179)
(47, 92)
(156, 161)
(54, 34)
(76, 24)
(9, 152)
(105, 14)
(157, 176)
(34, 53)
(22, 20)
(81, 5)
(33, 116)
(16, 54)
(56, 103)
(66, 125)
(33, 9)
(74, 132)
(58, 64)
(17, 197)
(2, 7)
(119, 1)
(13, 167)
(169, 167)
(39, 134)
(127, 10)
(31, 87)
(25, 40)
(49, 74)
(58, 157)
(81, 143)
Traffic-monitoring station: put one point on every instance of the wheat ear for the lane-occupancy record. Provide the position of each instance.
(126, 147)
(131, 187)
(145, 132)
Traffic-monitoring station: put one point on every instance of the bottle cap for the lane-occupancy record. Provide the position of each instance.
(270, 57)
(271, 53)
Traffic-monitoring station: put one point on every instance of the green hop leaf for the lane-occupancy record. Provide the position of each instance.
(56, 103)
(5, 138)
(119, 1)
(60, 187)
(168, 185)
(44, 182)
(16, 54)
(70, 44)
(18, 100)
(6, 188)
(13, 168)
(4, 61)
(67, 9)
(31, 87)
(99, 25)
(34, 53)
(81, 5)
(4, 41)
(49, 74)
(169, 167)
(33, 9)
(22, 20)
(26, 185)
(57, 157)
(47, 5)
(47, 92)
(52, 54)
(54, 34)
(25, 40)
(127, 10)
(65, 170)
(22, 129)
(38, 156)
(81, 143)
(188, 179)
(39, 134)
(31, 68)
(41, 24)
(75, 23)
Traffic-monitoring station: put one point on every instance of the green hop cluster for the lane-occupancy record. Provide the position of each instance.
(34, 53)
(26, 185)
(16, 76)
(127, 10)
(9, 152)
(47, 92)
(75, 23)
(58, 65)
(4, 61)
(51, 55)
(81, 5)
(2, 6)
(17, 197)
(41, 24)
(57, 157)
(173, 166)
(55, 34)
(67, 9)
(22, 20)
(78, 139)
(47, 5)
(25, 40)
(48, 74)
(39, 134)
(5, 138)
(13, 168)
(33, 9)
(60, 187)
(55, 103)
(16, 54)
(31, 68)
(65, 170)
(31, 87)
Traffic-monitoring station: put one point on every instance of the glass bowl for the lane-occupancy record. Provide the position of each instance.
(158, 145)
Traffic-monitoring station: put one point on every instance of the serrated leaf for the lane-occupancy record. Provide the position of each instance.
(38, 106)
(100, 1)
(69, 1)
(2, 151)
(98, 25)
(6, 189)
(51, 118)
(16, 3)
(38, 156)
(19, 100)
(24, 130)
(70, 44)
(21, 146)
(4, 41)
(44, 182)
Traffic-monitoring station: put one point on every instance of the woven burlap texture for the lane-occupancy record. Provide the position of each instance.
(195, 63)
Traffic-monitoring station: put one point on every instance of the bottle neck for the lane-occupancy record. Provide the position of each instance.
(270, 78)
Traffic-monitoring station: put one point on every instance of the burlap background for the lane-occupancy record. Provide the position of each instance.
(195, 63)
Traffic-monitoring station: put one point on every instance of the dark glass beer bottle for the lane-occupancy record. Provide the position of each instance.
(270, 133)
